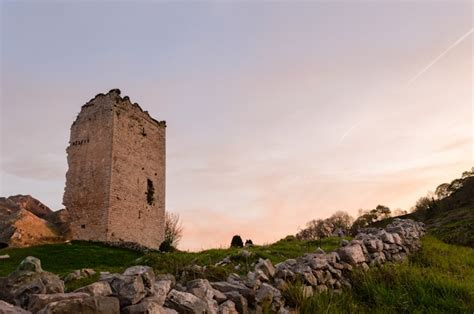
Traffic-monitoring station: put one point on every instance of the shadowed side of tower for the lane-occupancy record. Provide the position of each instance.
(115, 185)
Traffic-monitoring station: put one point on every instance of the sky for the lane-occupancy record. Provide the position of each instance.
(277, 112)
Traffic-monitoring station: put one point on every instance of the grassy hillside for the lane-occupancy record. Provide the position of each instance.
(64, 258)
(438, 279)
(454, 226)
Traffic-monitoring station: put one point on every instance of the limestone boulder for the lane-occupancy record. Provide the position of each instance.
(241, 303)
(228, 307)
(88, 305)
(30, 264)
(146, 306)
(200, 288)
(128, 289)
(268, 296)
(26, 280)
(203, 290)
(79, 274)
(225, 287)
(285, 274)
(38, 301)
(281, 284)
(185, 302)
(255, 278)
(7, 308)
(352, 254)
(219, 296)
(386, 237)
(266, 266)
(234, 278)
(397, 239)
(161, 288)
(160, 277)
(100, 288)
(147, 274)
(317, 261)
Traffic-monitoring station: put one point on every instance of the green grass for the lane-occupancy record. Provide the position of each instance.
(453, 226)
(437, 279)
(64, 258)
(175, 262)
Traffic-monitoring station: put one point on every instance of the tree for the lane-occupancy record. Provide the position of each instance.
(382, 212)
(236, 241)
(399, 212)
(468, 174)
(369, 217)
(442, 191)
(304, 234)
(425, 204)
(340, 221)
(361, 222)
(173, 232)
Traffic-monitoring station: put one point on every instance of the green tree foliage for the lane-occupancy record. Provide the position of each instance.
(236, 241)
(368, 217)
(448, 196)
(339, 223)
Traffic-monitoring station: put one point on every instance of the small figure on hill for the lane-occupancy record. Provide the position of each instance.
(248, 243)
(236, 241)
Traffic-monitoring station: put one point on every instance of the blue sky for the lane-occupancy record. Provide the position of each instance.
(277, 112)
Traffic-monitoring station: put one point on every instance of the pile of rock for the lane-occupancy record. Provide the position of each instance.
(79, 274)
(139, 290)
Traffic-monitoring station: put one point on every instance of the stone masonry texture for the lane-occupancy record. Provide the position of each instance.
(115, 184)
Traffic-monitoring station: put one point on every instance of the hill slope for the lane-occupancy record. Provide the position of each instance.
(437, 279)
(451, 218)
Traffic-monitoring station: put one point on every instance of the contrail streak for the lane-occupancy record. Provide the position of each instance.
(348, 131)
(440, 56)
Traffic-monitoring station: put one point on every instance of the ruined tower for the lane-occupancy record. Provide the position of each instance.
(115, 184)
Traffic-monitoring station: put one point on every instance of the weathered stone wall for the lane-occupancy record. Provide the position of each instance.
(115, 185)
(137, 204)
(87, 192)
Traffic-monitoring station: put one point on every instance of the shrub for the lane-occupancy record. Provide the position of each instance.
(166, 246)
(173, 232)
(236, 241)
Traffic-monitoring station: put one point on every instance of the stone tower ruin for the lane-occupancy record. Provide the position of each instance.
(115, 184)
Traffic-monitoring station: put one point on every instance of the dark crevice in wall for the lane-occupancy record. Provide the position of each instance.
(150, 194)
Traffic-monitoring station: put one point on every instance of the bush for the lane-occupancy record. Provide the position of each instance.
(173, 232)
(236, 241)
(167, 246)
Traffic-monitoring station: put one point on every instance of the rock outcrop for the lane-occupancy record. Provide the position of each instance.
(25, 221)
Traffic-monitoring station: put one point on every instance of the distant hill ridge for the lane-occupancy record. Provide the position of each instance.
(31, 204)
